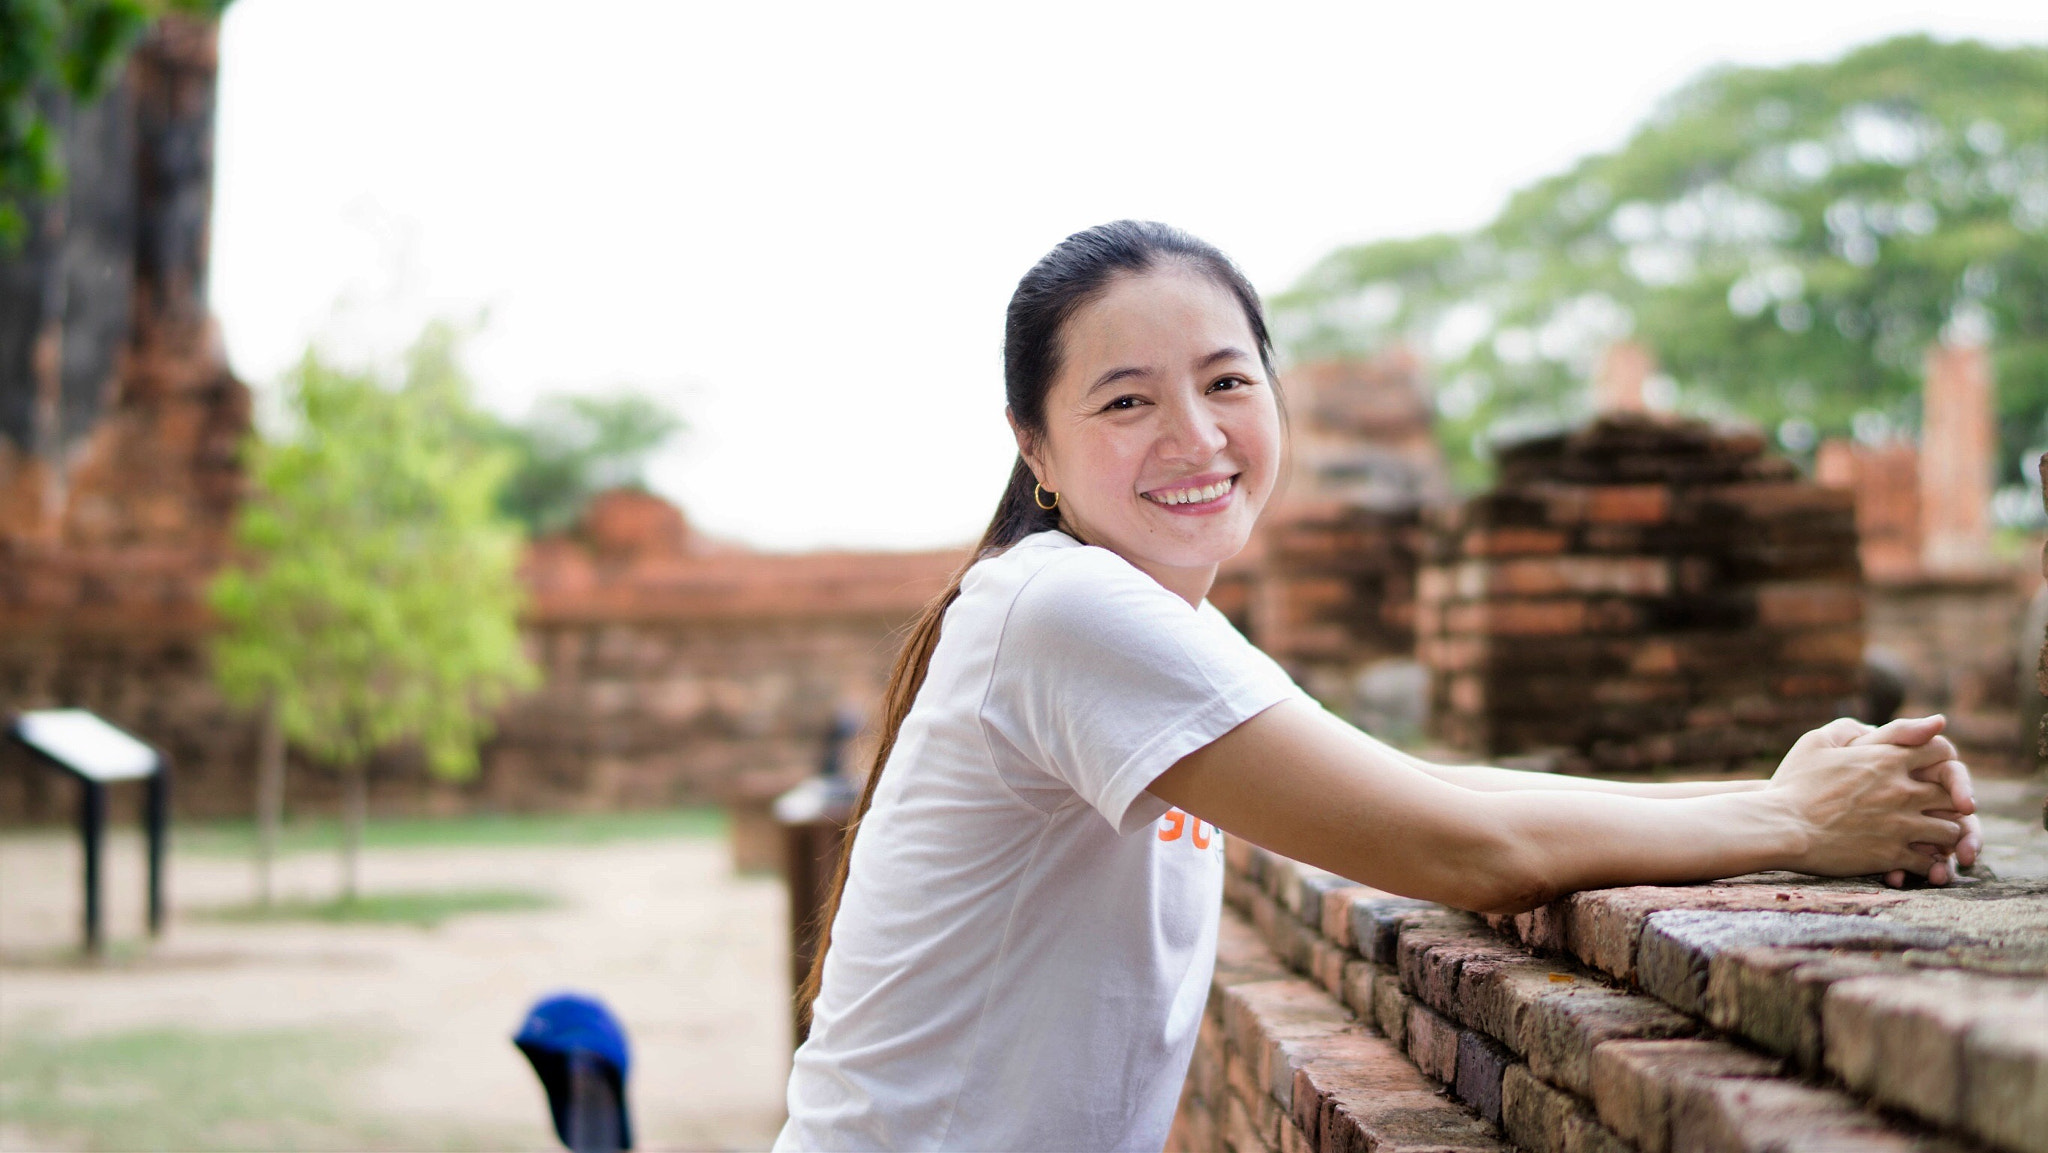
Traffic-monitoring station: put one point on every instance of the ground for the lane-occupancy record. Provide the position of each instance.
(392, 1033)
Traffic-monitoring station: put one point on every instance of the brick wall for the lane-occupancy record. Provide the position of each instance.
(1641, 592)
(674, 671)
(1770, 1012)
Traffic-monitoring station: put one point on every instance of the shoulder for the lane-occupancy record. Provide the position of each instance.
(1079, 588)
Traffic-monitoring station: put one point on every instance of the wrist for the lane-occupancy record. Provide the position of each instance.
(1782, 826)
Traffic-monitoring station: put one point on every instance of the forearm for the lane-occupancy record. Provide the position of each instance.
(1563, 842)
(1487, 779)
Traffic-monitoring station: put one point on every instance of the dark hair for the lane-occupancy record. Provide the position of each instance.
(1074, 274)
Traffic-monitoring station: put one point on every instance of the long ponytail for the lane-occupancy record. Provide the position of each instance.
(1068, 277)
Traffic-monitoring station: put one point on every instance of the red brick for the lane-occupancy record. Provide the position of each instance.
(1346, 1067)
(1521, 618)
(1432, 1042)
(1804, 604)
(1900, 1038)
(1513, 541)
(1628, 504)
(1560, 1032)
(1336, 919)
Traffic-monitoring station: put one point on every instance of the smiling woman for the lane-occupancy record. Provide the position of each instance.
(1020, 940)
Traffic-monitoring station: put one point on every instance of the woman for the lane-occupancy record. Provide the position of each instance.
(1022, 936)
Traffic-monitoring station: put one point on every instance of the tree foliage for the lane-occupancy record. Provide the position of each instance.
(57, 50)
(1788, 242)
(570, 448)
(378, 601)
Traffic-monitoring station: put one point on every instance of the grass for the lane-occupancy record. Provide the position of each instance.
(172, 1088)
(426, 909)
(238, 838)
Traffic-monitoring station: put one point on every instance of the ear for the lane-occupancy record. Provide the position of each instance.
(1027, 447)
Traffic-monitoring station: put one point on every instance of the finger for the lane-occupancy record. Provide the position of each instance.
(1927, 830)
(1896, 878)
(1940, 873)
(1915, 757)
(1932, 799)
(1972, 842)
(1954, 777)
(1836, 733)
(1904, 731)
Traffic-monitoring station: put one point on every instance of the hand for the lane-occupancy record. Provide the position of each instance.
(1954, 776)
(1877, 800)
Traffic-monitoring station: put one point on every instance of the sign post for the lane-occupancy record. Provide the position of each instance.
(99, 754)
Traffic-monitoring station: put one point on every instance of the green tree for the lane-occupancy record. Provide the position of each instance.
(377, 599)
(1787, 240)
(52, 51)
(570, 448)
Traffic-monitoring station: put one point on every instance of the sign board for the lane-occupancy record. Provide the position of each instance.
(86, 745)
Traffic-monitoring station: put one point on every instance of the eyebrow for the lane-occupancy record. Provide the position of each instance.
(1227, 352)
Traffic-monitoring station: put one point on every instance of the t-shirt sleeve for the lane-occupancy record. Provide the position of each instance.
(1103, 679)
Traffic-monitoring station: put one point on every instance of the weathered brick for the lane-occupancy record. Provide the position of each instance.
(1545, 1119)
(1336, 918)
(1772, 996)
(1293, 1140)
(1432, 1042)
(1377, 923)
(1712, 1115)
(1560, 1032)
(1390, 1007)
(1346, 1068)
(1495, 998)
(1257, 1015)
(1481, 1063)
(1430, 959)
(1409, 1122)
(1241, 1130)
(1603, 928)
(1532, 618)
(1326, 964)
(1310, 884)
(2005, 1080)
(1900, 1038)
(1357, 995)
(1675, 949)
(1628, 504)
(1634, 1081)
(1512, 541)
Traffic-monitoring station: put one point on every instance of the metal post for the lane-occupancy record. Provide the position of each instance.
(92, 823)
(157, 808)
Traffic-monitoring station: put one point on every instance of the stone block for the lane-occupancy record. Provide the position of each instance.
(1675, 948)
(1634, 1082)
(1544, 1119)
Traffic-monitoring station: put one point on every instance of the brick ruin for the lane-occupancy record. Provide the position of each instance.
(1642, 593)
(1767, 1012)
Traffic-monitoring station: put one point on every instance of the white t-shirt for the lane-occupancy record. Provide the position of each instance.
(1025, 942)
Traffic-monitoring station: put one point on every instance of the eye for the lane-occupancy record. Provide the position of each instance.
(1123, 404)
(1230, 382)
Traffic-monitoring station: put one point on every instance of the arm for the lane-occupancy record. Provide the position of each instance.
(1487, 779)
(1300, 781)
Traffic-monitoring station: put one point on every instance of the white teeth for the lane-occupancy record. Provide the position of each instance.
(1192, 495)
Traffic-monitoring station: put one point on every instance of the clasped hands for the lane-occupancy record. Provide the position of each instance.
(1892, 799)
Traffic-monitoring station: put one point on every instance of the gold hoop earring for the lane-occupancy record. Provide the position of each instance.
(1038, 498)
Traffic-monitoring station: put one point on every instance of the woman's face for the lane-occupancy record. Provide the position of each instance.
(1162, 433)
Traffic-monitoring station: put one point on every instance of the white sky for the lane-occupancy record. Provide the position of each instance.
(801, 223)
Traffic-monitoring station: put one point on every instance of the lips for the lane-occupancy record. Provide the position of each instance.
(1192, 494)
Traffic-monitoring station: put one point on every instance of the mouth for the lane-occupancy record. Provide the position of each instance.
(1192, 497)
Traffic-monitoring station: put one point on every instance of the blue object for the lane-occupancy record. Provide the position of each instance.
(579, 1051)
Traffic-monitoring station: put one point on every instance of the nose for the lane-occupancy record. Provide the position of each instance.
(1192, 433)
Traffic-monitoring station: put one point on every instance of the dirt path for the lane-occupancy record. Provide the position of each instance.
(691, 958)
